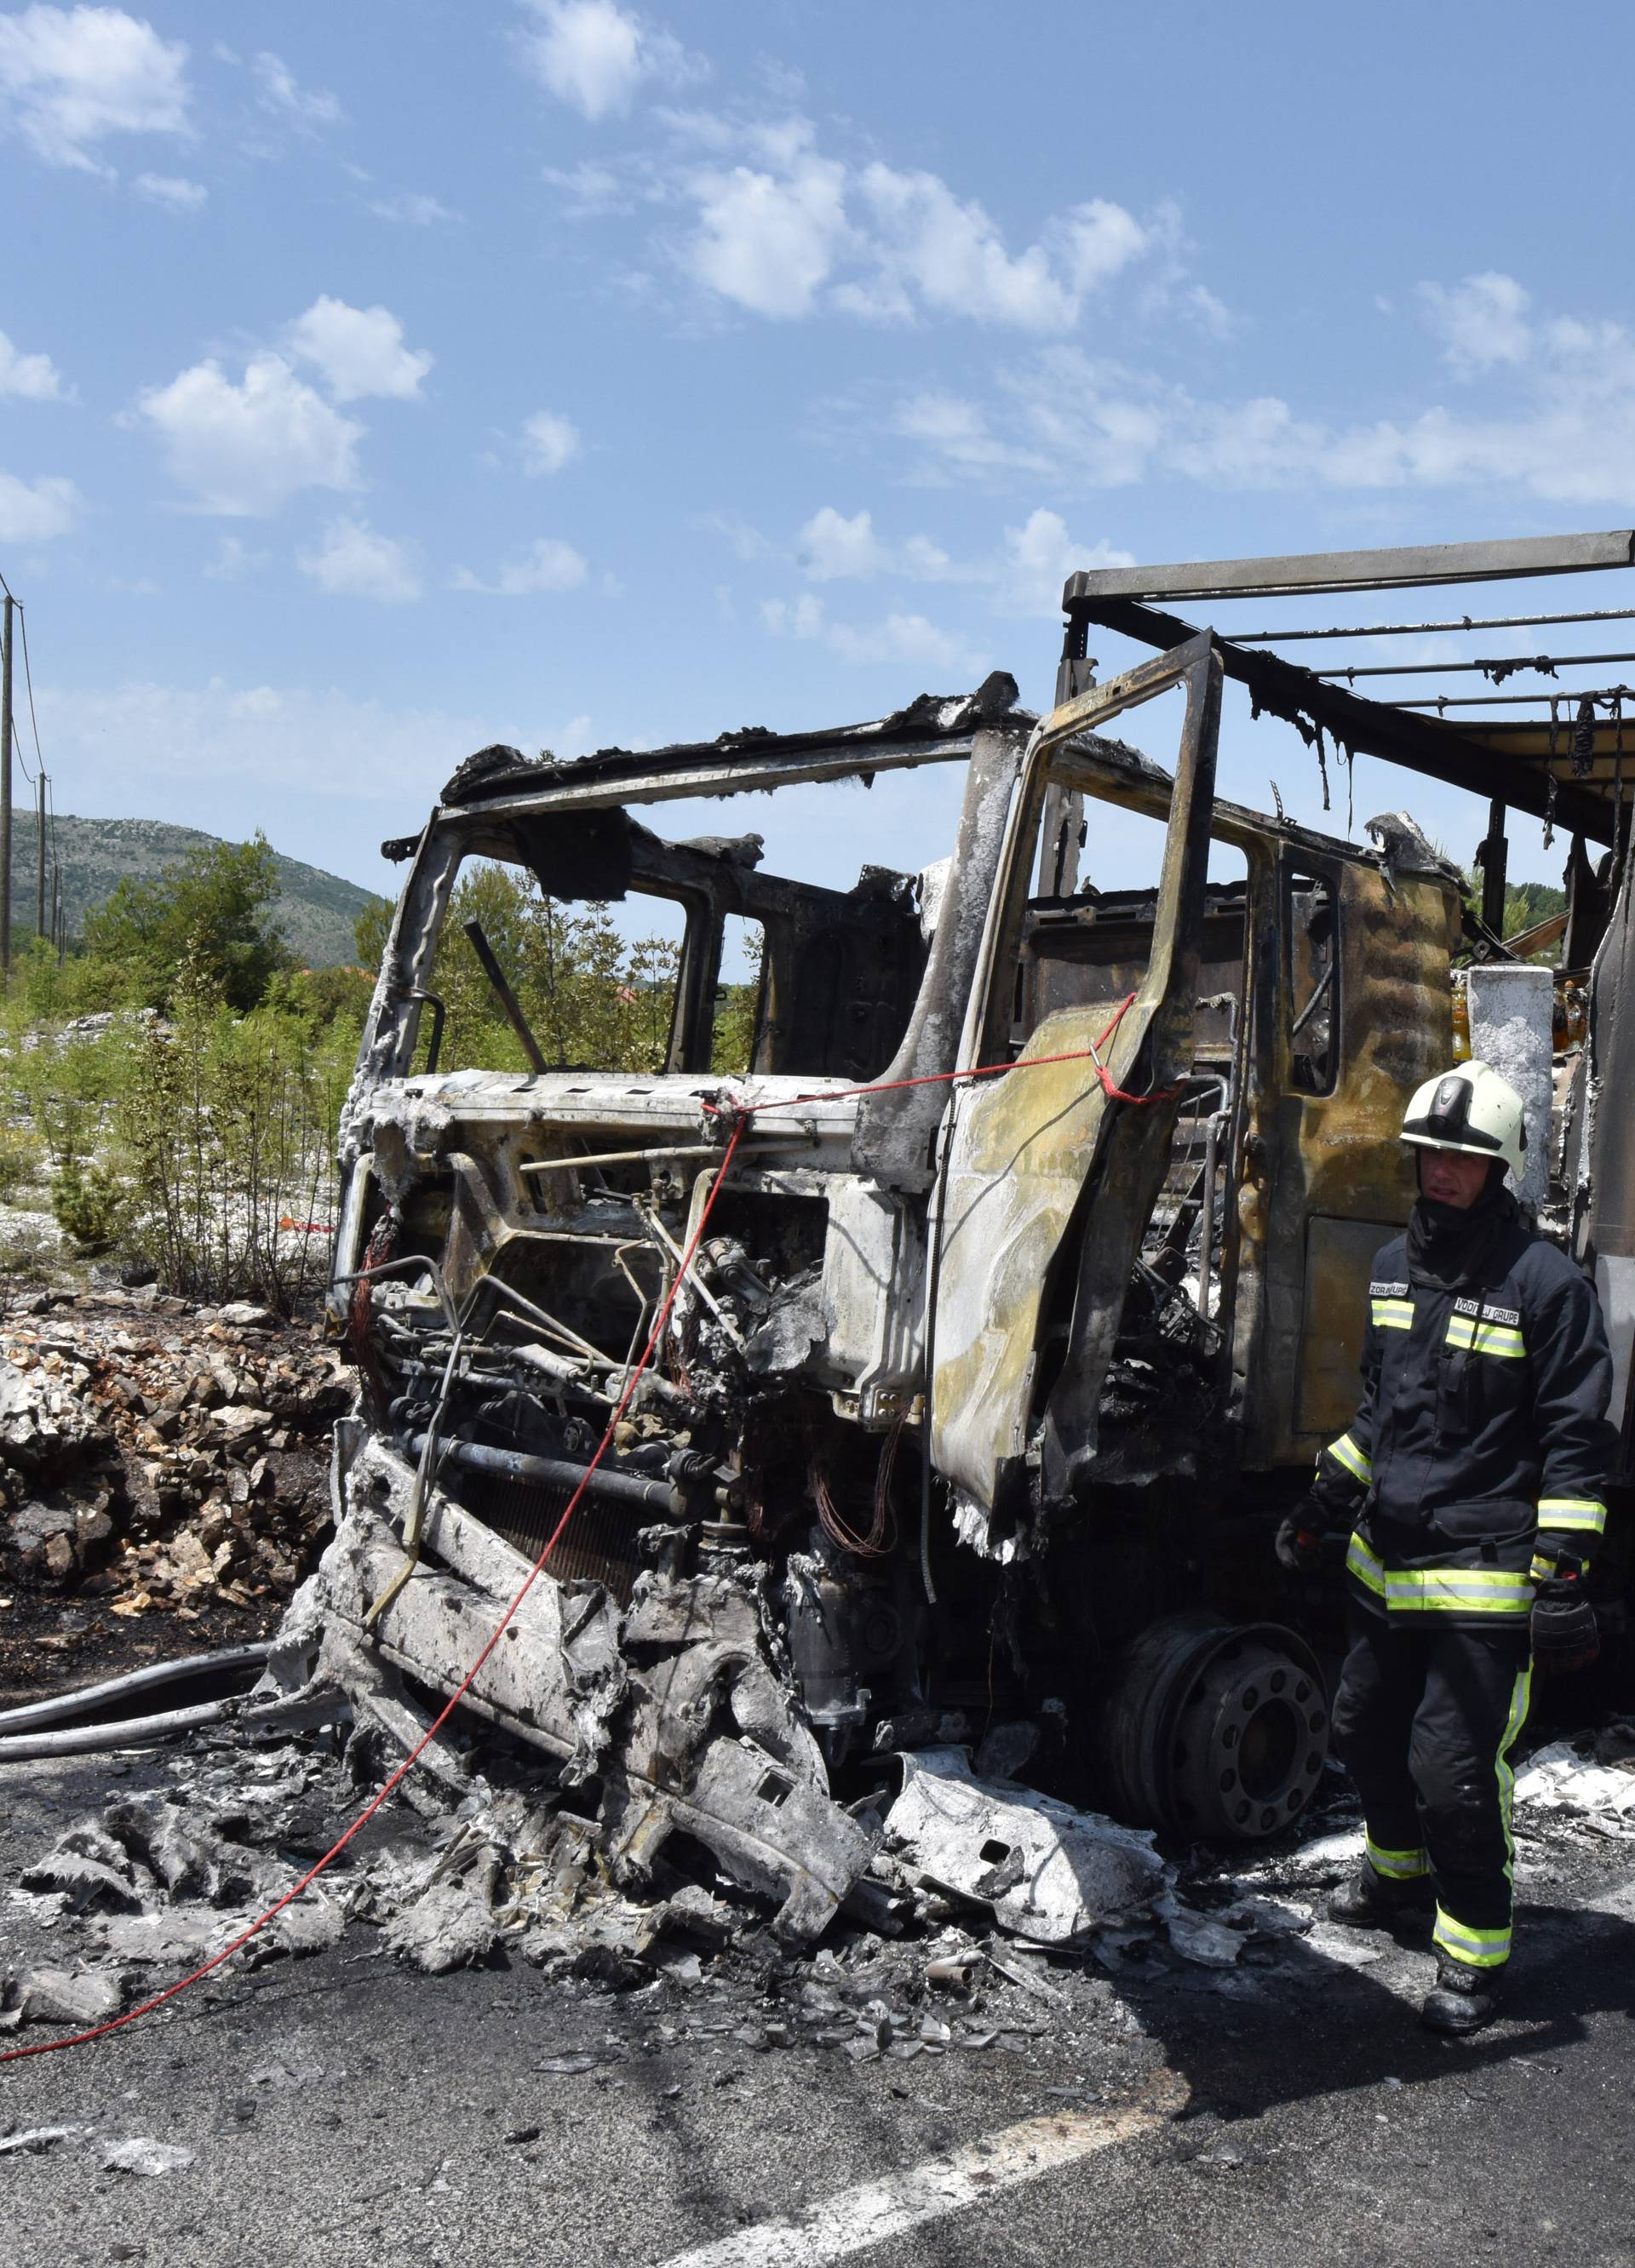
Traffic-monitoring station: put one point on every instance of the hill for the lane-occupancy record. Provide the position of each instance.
(315, 910)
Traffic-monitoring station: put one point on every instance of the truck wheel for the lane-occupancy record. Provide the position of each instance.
(1216, 1731)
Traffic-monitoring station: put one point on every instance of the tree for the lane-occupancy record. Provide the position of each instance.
(210, 909)
(371, 929)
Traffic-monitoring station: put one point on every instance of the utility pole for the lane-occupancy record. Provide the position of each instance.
(5, 794)
(56, 911)
(40, 858)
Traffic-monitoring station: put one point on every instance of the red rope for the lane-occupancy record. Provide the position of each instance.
(742, 1114)
(953, 1078)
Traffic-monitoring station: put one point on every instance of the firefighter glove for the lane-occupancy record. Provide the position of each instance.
(1565, 1636)
(1305, 1541)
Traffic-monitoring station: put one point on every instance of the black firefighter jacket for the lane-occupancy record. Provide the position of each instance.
(1482, 1439)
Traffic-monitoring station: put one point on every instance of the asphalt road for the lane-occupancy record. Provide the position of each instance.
(339, 2110)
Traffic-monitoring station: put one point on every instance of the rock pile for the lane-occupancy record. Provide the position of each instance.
(154, 1455)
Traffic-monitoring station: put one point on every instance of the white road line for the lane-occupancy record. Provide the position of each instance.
(856, 2218)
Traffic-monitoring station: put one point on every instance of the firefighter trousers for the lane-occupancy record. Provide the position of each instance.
(1424, 1721)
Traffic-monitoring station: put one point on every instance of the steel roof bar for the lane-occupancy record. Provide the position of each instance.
(1481, 729)
(1421, 629)
(1506, 665)
(1572, 695)
(1356, 571)
(1371, 728)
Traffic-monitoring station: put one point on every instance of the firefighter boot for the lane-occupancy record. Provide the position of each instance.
(1371, 1901)
(1463, 1998)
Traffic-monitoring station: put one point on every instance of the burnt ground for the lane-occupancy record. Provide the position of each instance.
(163, 1478)
(341, 2109)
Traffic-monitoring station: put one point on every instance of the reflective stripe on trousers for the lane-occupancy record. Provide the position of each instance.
(1396, 1865)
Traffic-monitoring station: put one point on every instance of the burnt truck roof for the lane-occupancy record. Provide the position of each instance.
(499, 782)
(931, 720)
(934, 728)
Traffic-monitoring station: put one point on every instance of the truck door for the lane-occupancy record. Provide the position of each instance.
(1048, 1183)
(1359, 1014)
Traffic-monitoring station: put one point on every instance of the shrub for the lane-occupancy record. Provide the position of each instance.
(90, 1203)
(228, 1127)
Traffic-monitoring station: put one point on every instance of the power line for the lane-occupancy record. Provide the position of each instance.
(29, 680)
(45, 804)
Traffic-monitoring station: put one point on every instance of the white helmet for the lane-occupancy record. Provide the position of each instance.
(1470, 1108)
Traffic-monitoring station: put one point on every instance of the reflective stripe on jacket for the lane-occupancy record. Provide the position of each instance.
(1482, 1439)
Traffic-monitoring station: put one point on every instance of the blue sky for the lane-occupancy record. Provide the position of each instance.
(382, 380)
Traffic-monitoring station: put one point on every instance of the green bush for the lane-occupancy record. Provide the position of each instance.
(227, 1128)
(90, 1203)
(323, 996)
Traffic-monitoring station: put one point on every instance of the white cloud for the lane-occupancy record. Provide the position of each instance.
(954, 436)
(1210, 314)
(593, 54)
(144, 747)
(360, 351)
(791, 230)
(931, 250)
(414, 207)
(898, 637)
(590, 191)
(1559, 424)
(1036, 559)
(246, 448)
(307, 106)
(550, 441)
(769, 242)
(833, 547)
(547, 565)
(1024, 576)
(29, 377)
(1480, 323)
(33, 512)
(1098, 241)
(804, 617)
(233, 559)
(748, 543)
(69, 77)
(173, 192)
(354, 563)
(589, 54)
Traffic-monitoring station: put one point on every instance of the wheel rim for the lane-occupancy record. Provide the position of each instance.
(1216, 1732)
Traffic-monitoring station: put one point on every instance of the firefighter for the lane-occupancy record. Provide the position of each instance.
(1471, 1483)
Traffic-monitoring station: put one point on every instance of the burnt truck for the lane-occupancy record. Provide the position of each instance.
(973, 1412)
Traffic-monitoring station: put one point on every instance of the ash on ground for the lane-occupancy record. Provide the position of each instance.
(195, 1845)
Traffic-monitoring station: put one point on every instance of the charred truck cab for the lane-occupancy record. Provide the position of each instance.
(978, 1374)
(983, 1393)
